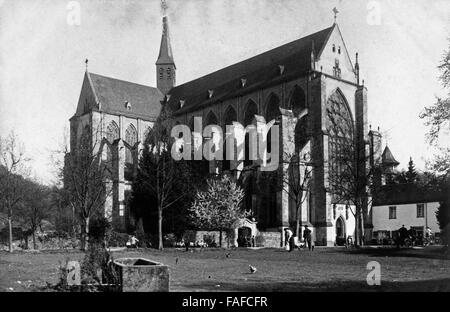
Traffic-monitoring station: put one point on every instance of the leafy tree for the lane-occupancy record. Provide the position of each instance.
(219, 206)
(437, 118)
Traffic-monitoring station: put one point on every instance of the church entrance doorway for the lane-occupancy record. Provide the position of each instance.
(244, 237)
(340, 232)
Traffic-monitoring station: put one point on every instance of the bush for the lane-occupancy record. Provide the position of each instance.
(116, 239)
(340, 241)
(209, 240)
(169, 240)
(98, 229)
(97, 266)
(147, 240)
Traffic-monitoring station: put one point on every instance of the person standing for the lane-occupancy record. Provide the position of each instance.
(292, 243)
(403, 234)
(307, 237)
(287, 236)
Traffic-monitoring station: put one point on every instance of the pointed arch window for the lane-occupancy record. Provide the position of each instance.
(297, 102)
(341, 147)
(131, 135)
(112, 132)
(272, 112)
(229, 117)
(251, 110)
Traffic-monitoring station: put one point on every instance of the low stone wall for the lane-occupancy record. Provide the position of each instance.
(268, 239)
(262, 239)
(205, 236)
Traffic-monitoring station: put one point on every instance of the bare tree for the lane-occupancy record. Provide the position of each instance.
(12, 167)
(85, 177)
(296, 182)
(351, 178)
(35, 206)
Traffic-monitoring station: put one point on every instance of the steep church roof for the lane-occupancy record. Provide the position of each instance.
(112, 95)
(387, 158)
(260, 70)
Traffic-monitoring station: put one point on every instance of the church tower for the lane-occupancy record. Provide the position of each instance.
(165, 65)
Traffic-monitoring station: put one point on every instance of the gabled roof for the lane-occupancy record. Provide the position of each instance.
(387, 158)
(112, 95)
(407, 193)
(258, 71)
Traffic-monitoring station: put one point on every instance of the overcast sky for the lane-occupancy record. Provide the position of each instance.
(43, 51)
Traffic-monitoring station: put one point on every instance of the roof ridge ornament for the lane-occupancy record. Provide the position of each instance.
(335, 11)
(164, 7)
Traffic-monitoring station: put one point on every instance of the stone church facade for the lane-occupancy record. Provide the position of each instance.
(299, 85)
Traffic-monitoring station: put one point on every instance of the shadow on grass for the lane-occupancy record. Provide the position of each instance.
(434, 252)
(438, 285)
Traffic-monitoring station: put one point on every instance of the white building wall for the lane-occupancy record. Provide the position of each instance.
(406, 215)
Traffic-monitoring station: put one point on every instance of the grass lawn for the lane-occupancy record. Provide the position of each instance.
(325, 269)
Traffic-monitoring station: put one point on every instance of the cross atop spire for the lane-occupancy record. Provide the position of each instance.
(86, 62)
(164, 7)
(335, 11)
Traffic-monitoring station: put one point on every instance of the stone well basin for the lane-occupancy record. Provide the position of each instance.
(142, 275)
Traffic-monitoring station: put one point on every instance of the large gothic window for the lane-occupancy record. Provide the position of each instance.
(272, 108)
(112, 132)
(272, 112)
(131, 135)
(211, 119)
(340, 139)
(229, 117)
(297, 102)
(130, 152)
(251, 109)
(129, 163)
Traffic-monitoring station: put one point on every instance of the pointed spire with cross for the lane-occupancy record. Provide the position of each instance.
(335, 11)
(86, 62)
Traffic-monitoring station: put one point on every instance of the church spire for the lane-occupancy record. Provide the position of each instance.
(165, 50)
(165, 65)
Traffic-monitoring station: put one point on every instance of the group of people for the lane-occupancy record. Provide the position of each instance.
(290, 239)
(411, 237)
